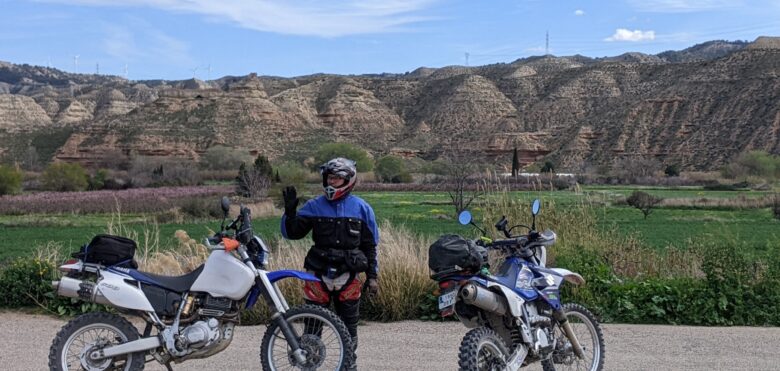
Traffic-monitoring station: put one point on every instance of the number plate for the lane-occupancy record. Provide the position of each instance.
(447, 299)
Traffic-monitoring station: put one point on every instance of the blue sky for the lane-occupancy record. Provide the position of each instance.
(179, 39)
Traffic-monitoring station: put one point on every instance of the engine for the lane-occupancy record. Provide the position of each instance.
(200, 334)
(216, 307)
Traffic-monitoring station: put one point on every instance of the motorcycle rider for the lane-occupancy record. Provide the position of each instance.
(345, 238)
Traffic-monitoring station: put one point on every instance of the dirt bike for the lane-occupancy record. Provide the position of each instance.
(516, 315)
(190, 316)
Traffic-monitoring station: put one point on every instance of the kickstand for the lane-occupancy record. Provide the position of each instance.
(168, 366)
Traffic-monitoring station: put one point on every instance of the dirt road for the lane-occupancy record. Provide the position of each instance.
(426, 346)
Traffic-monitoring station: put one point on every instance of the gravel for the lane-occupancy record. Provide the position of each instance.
(413, 345)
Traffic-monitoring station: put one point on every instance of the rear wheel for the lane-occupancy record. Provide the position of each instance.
(588, 332)
(92, 331)
(482, 350)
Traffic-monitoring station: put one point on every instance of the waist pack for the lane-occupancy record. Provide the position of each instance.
(452, 253)
(108, 250)
(324, 259)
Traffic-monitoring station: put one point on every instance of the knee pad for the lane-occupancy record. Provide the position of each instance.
(314, 292)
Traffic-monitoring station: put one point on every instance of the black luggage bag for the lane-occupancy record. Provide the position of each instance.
(109, 250)
(452, 253)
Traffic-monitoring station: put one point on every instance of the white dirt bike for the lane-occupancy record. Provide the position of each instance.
(190, 316)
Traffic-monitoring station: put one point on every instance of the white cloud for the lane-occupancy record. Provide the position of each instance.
(296, 17)
(682, 6)
(146, 44)
(622, 34)
(579, 12)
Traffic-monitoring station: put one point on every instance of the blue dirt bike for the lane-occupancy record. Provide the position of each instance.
(516, 315)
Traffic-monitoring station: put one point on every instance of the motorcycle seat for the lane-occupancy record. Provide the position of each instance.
(174, 283)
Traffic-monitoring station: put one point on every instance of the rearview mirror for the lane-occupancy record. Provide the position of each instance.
(535, 207)
(464, 217)
(225, 203)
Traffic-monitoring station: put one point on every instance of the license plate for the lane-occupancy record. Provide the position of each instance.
(447, 299)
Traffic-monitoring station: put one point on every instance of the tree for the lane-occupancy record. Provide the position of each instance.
(254, 181)
(10, 180)
(515, 163)
(631, 169)
(64, 177)
(389, 168)
(330, 151)
(776, 206)
(548, 167)
(645, 202)
(461, 186)
(251, 182)
(263, 166)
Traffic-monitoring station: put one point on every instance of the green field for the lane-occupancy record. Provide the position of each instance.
(753, 230)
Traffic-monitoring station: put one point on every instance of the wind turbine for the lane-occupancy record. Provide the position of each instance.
(76, 62)
(208, 76)
(193, 71)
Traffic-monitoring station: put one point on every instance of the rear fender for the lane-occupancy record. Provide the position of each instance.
(514, 301)
(121, 294)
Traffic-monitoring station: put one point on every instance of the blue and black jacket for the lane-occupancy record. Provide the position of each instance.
(345, 235)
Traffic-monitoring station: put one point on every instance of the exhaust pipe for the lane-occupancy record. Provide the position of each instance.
(483, 298)
(84, 290)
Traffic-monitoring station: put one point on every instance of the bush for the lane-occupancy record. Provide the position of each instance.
(159, 172)
(548, 167)
(10, 180)
(330, 151)
(389, 167)
(221, 158)
(98, 180)
(754, 163)
(25, 281)
(403, 177)
(64, 177)
(672, 170)
(201, 208)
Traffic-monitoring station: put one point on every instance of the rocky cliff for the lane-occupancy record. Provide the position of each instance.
(697, 108)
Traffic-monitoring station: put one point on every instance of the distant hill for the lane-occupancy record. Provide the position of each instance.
(703, 52)
(697, 107)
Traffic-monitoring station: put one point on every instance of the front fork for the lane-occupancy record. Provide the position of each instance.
(278, 306)
(560, 316)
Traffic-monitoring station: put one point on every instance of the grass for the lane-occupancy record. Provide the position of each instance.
(429, 214)
(607, 244)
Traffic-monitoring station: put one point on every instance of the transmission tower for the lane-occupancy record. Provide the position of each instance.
(547, 43)
(467, 59)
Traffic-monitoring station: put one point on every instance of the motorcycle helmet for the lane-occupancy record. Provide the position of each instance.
(343, 168)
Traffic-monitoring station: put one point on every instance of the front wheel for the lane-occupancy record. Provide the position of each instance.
(92, 331)
(588, 332)
(321, 334)
(482, 350)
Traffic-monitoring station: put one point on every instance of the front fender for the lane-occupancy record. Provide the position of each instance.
(275, 276)
(280, 275)
(569, 276)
